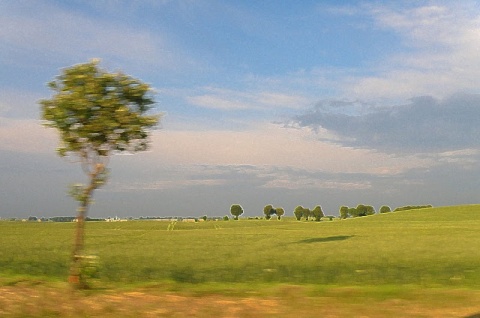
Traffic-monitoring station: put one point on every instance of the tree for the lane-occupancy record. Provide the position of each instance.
(353, 212)
(268, 210)
(370, 210)
(298, 212)
(236, 210)
(280, 212)
(307, 213)
(317, 213)
(361, 210)
(385, 209)
(97, 114)
(412, 207)
(343, 212)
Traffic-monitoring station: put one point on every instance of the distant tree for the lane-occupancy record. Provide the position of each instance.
(298, 212)
(412, 207)
(97, 114)
(307, 213)
(370, 210)
(353, 212)
(225, 218)
(268, 211)
(32, 219)
(361, 210)
(62, 219)
(343, 212)
(236, 210)
(204, 217)
(89, 219)
(385, 209)
(317, 213)
(280, 212)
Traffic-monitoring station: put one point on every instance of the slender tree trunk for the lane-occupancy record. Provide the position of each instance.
(75, 278)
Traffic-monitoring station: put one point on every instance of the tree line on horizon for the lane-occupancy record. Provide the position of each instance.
(317, 213)
(269, 211)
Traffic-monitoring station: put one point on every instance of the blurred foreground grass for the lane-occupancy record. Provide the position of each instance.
(28, 298)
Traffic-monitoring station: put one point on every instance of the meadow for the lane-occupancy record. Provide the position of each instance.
(425, 249)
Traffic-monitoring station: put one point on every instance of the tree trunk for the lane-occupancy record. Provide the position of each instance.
(75, 278)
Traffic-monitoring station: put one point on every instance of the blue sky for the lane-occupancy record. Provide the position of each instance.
(266, 102)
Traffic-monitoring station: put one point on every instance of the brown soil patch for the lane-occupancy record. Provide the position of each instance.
(48, 301)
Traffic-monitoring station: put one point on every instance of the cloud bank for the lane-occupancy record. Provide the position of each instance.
(424, 124)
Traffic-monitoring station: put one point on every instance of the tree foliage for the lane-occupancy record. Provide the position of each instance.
(360, 210)
(280, 212)
(370, 210)
(307, 213)
(343, 212)
(352, 212)
(412, 207)
(317, 213)
(268, 211)
(96, 114)
(298, 212)
(236, 210)
(385, 209)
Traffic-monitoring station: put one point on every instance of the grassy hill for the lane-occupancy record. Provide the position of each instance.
(426, 247)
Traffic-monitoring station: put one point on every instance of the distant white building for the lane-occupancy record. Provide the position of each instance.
(115, 219)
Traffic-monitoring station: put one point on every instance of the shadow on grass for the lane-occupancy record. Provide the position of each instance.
(326, 239)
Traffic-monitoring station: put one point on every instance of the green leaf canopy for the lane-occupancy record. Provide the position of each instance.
(100, 112)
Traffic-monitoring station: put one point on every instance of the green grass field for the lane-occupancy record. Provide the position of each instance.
(381, 255)
(427, 247)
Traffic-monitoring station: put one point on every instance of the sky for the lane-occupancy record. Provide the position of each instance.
(286, 103)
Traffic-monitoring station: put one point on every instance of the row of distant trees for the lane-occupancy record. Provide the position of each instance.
(269, 211)
(317, 213)
(360, 210)
(365, 210)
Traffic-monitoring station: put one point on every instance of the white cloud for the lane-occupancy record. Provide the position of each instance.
(19, 103)
(292, 183)
(26, 136)
(426, 25)
(282, 100)
(226, 99)
(162, 185)
(442, 44)
(222, 103)
(265, 176)
(272, 145)
(465, 157)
